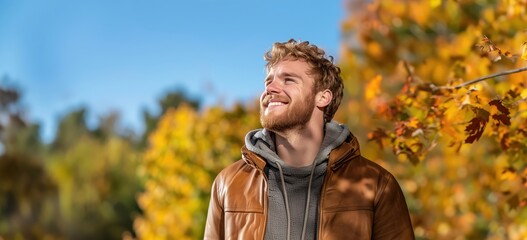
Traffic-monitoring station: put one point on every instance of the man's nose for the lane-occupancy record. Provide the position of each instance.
(272, 87)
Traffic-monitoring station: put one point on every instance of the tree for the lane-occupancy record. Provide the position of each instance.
(421, 67)
(71, 127)
(95, 172)
(81, 186)
(171, 99)
(29, 194)
(17, 135)
(186, 151)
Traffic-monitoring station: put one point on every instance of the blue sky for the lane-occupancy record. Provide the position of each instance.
(124, 55)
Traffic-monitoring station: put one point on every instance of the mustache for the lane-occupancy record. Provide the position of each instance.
(269, 97)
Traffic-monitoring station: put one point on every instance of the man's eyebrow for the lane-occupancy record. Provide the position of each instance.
(290, 74)
(283, 74)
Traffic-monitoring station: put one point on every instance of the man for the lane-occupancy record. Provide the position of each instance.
(302, 176)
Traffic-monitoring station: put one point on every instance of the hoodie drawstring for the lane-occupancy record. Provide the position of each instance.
(286, 203)
(306, 210)
(307, 201)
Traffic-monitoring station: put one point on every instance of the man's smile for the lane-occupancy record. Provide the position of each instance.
(272, 101)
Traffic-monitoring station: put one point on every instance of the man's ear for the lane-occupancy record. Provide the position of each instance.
(323, 98)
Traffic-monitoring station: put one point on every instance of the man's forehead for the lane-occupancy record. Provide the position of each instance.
(289, 66)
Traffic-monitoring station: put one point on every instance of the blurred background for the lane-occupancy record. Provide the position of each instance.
(115, 117)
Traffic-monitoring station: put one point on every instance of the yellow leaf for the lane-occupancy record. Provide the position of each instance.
(524, 51)
(373, 89)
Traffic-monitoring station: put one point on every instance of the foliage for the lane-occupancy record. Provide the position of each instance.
(171, 99)
(16, 133)
(186, 151)
(422, 67)
(96, 177)
(81, 186)
(28, 200)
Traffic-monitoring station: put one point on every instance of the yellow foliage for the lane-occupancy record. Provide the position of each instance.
(186, 151)
(454, 189)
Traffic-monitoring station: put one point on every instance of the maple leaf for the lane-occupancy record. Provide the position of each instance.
(505, 119)
(498, 103)
(502, 117)
(477, 125)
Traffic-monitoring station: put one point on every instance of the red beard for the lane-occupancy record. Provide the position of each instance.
(296, 113)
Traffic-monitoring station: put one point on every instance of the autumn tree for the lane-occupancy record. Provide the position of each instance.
(443, 86)
(171, 99)
(186, 151)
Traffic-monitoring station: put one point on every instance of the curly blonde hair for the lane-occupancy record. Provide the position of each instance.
(326, 73)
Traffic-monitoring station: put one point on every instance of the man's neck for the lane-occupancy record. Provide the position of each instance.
(299, 147)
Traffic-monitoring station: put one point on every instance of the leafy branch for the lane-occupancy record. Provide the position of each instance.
(504, 73)
(474, 81)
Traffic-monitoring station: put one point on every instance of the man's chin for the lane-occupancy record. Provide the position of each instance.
(275, 111)
(277, 125)
(270, 123)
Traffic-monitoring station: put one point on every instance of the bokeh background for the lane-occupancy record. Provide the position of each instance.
(116, 116)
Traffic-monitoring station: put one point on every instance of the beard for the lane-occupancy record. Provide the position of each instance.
(297, 114)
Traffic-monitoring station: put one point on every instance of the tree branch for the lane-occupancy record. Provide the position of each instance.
(484, 78)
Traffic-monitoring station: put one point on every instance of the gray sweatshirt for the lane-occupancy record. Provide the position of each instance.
(293, 211)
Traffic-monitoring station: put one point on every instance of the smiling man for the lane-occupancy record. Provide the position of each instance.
(302, 176)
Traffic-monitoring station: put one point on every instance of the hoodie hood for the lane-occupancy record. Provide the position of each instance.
(261, 142)
(299, 184)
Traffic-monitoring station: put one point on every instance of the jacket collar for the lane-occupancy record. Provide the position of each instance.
(253, 159)
(348, 150)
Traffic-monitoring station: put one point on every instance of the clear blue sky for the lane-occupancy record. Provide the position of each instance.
(123, 55)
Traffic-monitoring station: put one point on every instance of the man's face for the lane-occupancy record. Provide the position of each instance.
(288, 100)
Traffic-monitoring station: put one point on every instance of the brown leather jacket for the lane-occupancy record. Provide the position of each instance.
(359, 200)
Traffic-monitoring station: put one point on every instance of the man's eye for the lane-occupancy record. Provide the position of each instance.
(289, 80)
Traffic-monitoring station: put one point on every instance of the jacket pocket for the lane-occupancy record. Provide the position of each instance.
(244, 224)
(353, 222)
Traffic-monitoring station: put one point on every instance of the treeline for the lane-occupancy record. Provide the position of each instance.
(81, 185)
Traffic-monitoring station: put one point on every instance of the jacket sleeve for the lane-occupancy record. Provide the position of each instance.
(391, 216)
(214, 228)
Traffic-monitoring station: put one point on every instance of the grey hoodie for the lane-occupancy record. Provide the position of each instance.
(293, 211)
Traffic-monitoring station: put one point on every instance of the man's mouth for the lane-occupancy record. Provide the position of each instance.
(270, 101)
(275, 104)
